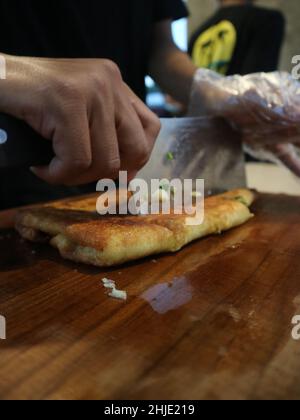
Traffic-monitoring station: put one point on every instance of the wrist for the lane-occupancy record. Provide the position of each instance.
(12, 84)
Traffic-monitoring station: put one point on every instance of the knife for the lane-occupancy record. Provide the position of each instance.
(198, 148)
(21, 146)
(186, 148)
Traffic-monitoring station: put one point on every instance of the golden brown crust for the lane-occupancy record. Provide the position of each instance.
(84, 236)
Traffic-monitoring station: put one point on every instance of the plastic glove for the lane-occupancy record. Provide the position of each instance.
(265, 107)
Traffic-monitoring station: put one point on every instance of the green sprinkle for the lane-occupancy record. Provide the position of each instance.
(170, 156)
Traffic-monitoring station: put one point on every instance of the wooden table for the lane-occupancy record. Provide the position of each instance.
(213, 321)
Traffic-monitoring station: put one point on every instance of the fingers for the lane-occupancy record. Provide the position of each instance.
(72, 148)
(106, 161)
(87, 151)
(119, 139)
(97, 124)
(287, 154)
(269, 136)
(134, 144)
(149, 121)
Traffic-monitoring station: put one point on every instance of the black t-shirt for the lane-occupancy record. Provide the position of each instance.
(239, 40)
(119, 30)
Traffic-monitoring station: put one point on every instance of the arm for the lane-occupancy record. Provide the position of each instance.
(171, 68)
(174, 72)
(96, 124)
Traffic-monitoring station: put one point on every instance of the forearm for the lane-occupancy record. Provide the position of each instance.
(170, 68)
(16, 99)
(174, 72)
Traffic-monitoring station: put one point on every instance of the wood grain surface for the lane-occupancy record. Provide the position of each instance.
(213, 321)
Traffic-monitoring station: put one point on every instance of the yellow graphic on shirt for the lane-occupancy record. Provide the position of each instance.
(215, 47)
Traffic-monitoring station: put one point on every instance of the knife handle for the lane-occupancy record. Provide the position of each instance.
(21, 146)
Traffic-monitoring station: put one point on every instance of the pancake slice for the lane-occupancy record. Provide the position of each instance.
(85, 237)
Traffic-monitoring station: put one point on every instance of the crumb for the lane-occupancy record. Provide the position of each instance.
(234, 313)
(111, 286)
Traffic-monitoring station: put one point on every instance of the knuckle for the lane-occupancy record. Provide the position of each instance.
(142, 155)
(75, 167)
(80, 164)
(99, 84)
(108, 169)
(68, 89)
(112, 68)
(156, 126)
(70, 172)
(152, 126)
(113, 167)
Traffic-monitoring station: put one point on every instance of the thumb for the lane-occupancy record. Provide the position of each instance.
(288, 155)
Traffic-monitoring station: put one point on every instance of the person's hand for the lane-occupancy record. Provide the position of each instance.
(97, 125)
(265, 108)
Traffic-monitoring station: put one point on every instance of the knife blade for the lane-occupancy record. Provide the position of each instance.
(198, 148)
(186, 148)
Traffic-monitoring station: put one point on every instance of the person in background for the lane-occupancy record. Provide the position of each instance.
(240, 38)
(76, 74)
